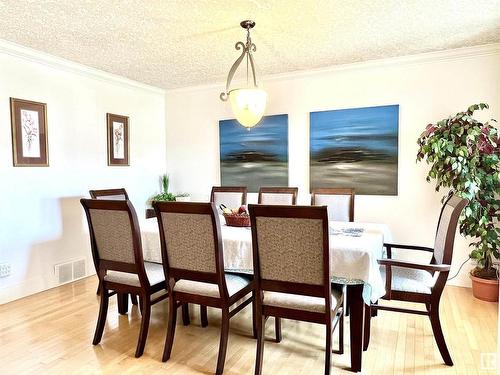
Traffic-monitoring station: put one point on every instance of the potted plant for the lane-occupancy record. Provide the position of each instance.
(165, 195)
(464, 156)
(183, 197)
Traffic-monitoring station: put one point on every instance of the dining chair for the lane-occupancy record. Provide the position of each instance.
(119, 194)
(193, 261)
(230, 196)
(422, 282)
(117, 251)
(291, 259)
(278, 195)
(340, 202)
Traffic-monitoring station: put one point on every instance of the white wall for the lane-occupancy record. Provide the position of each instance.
(41, 220)
(427, 87)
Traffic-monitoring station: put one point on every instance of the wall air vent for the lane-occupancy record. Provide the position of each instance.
(70, 271)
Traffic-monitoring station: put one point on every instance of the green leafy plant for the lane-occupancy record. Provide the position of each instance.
(164, 196)
(464, 156)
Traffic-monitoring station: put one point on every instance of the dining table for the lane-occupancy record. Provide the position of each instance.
(355, 248)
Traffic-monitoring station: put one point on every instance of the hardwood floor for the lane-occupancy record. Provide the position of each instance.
(51, 333)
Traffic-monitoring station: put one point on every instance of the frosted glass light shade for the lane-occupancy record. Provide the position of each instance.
(248, 105)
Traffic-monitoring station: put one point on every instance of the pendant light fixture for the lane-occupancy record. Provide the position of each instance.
(248, 103)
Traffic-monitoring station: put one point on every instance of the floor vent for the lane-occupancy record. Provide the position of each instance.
(66, 272)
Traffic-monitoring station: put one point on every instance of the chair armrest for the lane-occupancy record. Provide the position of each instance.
(408, 247)
(418, 266)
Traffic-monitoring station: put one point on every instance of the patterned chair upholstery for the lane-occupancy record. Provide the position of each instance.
(119, 194)
(192, 252)
(230, 196)
(116, 248)
(340, 203)
(410, 280)
(291, 250)
(292, 270)
(189, 239)
(278, 195)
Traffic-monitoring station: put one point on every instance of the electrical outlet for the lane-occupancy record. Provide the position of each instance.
(4, 269)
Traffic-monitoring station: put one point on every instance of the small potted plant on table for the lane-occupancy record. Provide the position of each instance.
(464, 156)
(165, 196)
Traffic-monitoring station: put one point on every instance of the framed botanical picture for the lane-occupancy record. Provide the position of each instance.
(118, 141)
(29, 133)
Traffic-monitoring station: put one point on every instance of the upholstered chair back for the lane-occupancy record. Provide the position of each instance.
(190, 235)
(278, 196)
(447, 225)
(109, 194)
(340, 203)
(291, 243)
(231, 197)
(114, 232)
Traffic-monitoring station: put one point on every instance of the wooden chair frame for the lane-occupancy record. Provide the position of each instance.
(325, 291)
(144, 291)
(96, 194)
(279, 190)
(176, 299)
(336, 191)
(230, 189)
(432, 300)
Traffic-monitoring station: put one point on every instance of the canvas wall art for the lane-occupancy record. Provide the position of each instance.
(29, 133)
(355, 148)
(254, 157)
(118, 140)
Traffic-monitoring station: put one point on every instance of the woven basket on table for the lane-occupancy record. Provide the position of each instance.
(237, 220)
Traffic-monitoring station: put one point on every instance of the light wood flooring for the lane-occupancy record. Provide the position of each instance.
(51, 333)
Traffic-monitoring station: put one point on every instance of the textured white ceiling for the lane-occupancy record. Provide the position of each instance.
(176, 43)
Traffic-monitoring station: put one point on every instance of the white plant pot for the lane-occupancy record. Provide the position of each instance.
(183, 199)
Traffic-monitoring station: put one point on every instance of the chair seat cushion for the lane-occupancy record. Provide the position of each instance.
(234, 283)
(410, 280)
(154, 271)
(299, 302)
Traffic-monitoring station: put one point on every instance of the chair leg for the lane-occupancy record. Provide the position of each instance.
(143, 334)
(204, 316)
(224, 333)
(254, 316)
(328, 349)
(261, 321)
(122, 299)
(172, 320)
(340, 324)
(185, 314)
(133, 298)
(438, 334)
(277, 329)
(101, 319)
(341, 334)
(366, 333)
(141, 306)
(375, 311)
(347, 302)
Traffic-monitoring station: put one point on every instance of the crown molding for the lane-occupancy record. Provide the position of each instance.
(32, 55)
(416, 59)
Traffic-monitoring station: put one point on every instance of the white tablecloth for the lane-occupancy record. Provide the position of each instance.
(355, 248)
